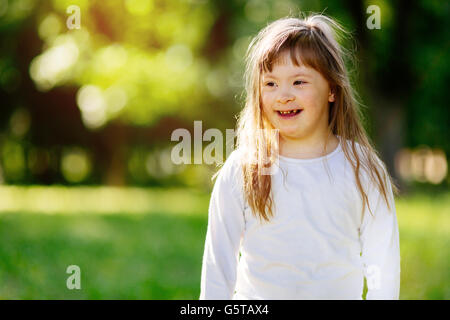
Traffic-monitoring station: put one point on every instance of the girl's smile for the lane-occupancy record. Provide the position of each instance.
(289, 114)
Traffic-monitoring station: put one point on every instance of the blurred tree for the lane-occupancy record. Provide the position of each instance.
(138, 69)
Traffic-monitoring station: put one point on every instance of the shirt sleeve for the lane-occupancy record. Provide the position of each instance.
(380, 247)
(224, 232)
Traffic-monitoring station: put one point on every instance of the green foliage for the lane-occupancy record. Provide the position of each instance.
(156, 63)
(147, 53)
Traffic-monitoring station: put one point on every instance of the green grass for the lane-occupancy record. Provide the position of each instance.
(151, 251)
(424, 223)
(154, 250)
(121, 257)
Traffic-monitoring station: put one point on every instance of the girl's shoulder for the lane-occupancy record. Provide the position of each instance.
(230, 169)
(362, 152)
(366, 169)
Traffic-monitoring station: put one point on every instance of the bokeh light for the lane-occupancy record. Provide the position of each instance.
(13, 159)
(54, 65)
(75, 165)
(139, 7)
(422, 164)
(50, 27)
(178, 57)
(20, 122)
(93, 106)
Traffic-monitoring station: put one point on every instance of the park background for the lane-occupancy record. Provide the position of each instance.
(87, 115)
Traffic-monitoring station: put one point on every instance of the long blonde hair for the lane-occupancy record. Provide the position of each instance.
(315, 40)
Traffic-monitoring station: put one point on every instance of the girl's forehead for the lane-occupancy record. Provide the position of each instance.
(285, 57)
(286, 60)
(284, 66)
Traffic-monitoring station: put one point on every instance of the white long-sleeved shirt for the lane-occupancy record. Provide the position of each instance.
(317, 246)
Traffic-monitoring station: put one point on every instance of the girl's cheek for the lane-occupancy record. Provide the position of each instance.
(268, 96)
(266, 108)
(308, 97)
(266, 99)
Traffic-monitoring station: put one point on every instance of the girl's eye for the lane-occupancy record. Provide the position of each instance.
(270, 84)
(299, 82)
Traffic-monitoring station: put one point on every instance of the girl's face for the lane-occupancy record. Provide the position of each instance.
(303, 92)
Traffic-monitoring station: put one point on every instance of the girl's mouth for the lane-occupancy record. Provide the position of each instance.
(289, 113)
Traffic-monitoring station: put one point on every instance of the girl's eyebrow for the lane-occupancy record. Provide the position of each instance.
(299, 74)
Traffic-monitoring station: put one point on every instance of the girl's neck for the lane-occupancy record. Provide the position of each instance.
(308, 148)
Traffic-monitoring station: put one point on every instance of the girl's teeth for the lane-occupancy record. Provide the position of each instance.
(288, 112)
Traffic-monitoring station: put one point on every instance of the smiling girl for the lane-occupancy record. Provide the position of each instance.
(324, 222)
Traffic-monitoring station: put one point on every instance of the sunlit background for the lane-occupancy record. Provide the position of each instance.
(86, 121)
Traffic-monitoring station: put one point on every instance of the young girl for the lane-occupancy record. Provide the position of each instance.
(315, 228)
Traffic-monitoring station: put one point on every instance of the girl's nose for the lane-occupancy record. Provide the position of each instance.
(285, 97)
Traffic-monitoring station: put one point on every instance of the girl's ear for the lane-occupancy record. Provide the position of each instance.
(331, 95)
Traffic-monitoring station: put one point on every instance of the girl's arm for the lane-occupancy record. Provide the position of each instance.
(225, 228)
(380, 247)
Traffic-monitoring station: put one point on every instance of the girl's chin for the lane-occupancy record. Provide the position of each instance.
(290, 133)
